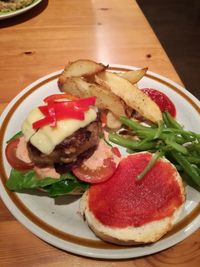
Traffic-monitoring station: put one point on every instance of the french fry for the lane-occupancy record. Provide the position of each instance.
(76, 86)
(80, 68)
(105, 99)
(133, 76)
(131, 95)
(112, 121)
(116, 92)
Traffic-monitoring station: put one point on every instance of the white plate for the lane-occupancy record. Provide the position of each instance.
(11, 14)
(57, 221)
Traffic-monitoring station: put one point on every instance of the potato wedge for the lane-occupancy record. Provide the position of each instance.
(81, 68)
(133, 76)
(112, 121)
(105, 99)
(131, 95)
(76, 86)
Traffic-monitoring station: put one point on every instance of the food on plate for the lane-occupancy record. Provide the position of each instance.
(80, 68)
(169, 138)
(12, 5)
(74, 136)
(132, 96)
(133, 76)
(100, 166)
(127, 211)
(56, 139)
(104, 98)
(116, 93)
(111, 121)
(15, 161)
(163, 101)
(67, 146)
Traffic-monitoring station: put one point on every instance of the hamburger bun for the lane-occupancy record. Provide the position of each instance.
(107, 221)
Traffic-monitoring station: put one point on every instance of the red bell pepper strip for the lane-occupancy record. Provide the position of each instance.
(52, 113)
(42, 122)
(69, 105)
(60, 96)
(44, 110)
(88, 101)
(61, 107)
(82, 104)
(78, 115)
(55, 110)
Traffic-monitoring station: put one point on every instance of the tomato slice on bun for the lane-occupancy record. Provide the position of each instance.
(100, 166)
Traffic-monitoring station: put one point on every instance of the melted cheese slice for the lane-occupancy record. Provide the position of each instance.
(46, 138)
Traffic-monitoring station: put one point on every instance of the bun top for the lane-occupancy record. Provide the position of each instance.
(124, 201)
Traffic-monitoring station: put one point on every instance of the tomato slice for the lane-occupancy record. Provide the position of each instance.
(98, 175)
(116, 151)
(163, 101)
(12, 158)
(99, 167)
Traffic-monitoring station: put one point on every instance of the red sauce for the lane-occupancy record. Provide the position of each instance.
(161, 100)
(122, 201)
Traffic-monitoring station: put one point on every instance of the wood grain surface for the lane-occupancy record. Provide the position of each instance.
(43, 40)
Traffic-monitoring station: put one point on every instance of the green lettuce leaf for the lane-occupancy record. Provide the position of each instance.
(24, 180)
(16, 136)
(66, 186)
(19, 181)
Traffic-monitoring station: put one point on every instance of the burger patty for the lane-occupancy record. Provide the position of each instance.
(71, 151)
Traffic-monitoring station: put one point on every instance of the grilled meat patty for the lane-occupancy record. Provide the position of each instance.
(71, 151)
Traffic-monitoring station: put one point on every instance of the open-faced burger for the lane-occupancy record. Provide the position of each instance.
(59, 137)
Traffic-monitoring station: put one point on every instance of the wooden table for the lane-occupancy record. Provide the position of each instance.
(42, 41)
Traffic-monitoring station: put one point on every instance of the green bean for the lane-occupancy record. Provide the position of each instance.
(143, 131)
(175, 128)
(165, 119)
(194, 147)
(134, 125)
(194, 153)
(180, 136)
(181, 147)
(130, 143)
(163, 136)
(187, 167)
(153, 160)
(194, 160)
(176, 146)
(171, 122)
(146, 134)
(186, 135)
(159, 130)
